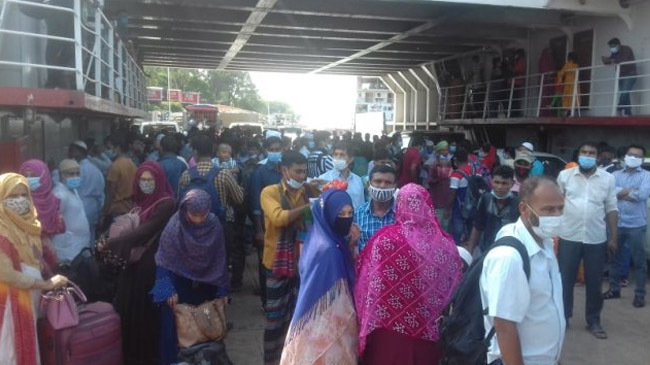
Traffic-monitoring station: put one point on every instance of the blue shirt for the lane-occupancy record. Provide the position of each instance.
(537, 169)
(174, 168)
(370, 223)
(633, 214)
(265, 175)
(356, 189)
(92, 190)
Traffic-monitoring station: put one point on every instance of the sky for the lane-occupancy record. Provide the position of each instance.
(320, 100)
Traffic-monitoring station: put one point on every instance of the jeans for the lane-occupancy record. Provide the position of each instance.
(625, 86)
(634, 238)
(593, 256)
(458, 226)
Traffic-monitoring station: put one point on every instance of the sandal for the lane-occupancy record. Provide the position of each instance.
(611, 294)
(597, 331)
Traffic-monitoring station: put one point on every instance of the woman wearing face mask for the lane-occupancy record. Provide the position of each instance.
(191, 265)
(47, 206)
(405, 265)
(153, 195)
(21, 281)
(324, 329)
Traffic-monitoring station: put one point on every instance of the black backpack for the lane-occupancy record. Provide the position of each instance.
(462, 331)
(476, 186)
(206, 183)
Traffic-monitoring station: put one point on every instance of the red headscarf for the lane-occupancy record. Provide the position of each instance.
(47, 205)
(162, 190)
(407, 272)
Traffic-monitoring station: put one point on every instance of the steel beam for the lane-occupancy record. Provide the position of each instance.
(414, 98)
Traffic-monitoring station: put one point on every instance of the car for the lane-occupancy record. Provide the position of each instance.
(252, 128)
(152, 128)
(552, 164)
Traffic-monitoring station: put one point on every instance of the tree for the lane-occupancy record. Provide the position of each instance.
(233, 88)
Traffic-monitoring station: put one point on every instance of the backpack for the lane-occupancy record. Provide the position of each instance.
(206, 183)
(476, 186)
(462, 331)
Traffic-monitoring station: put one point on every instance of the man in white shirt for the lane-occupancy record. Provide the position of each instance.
(342, 157)
(590, 201)
(77, 230)
(526, 313)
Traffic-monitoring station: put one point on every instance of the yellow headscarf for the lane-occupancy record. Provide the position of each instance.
(23, 232)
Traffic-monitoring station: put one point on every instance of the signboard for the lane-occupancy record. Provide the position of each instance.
(174, 95)
(154, 93)
(190, 97)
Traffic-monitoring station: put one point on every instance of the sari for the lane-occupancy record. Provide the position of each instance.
(323, 329)
(406, 276)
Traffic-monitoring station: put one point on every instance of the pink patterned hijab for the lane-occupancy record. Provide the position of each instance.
(47, 205)
(407, 273)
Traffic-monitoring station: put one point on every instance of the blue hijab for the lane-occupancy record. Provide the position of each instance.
(326, 257)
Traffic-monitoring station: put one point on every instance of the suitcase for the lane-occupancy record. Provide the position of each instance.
(96, 340)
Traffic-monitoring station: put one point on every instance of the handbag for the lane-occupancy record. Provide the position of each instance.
(202, 323)
(60, 307)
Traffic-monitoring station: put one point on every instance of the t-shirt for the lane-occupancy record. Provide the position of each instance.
(625, 54)
(459, 183)
(489, 218)
(121, 176)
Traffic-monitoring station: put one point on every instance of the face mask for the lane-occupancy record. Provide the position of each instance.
(399, 144)
(294, 184)
(19, 205)
(342, 226)
(329, 147)
(508, 195)
(522, 171)
(614, 49)
(339, 164)
(548, 227)
(274, 156)
(147, 187)
(311, 145)
(481, 154)
(452, 149)
(381, 195)
(110, 154)
(632, 161)
(586, 162)
(73, 183)
(445, 157)
(34, 183)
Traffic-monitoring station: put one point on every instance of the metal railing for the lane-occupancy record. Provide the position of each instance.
(583, 91)
(102, 64)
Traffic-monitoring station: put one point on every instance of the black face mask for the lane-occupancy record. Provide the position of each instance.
(342, 226)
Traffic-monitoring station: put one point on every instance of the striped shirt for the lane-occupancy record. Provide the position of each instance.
(230, 193)
(633, 214)
(318, 163)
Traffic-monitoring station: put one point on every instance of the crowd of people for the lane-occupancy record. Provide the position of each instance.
(361, 243)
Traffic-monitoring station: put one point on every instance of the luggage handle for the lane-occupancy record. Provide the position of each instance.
(72, 288)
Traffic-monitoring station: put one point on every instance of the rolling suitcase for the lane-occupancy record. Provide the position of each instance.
(96, 340)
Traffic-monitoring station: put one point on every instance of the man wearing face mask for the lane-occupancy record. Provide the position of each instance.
(286, 207)
(590, 202)
(523, 163)
(379, 211)
(319, 160)
(342, 158)
(627, 76)
(526, 312)
(495, 209)
(77, 231)
(92, 188)
(632, 192)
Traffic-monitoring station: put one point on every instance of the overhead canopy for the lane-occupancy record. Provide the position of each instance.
(357, 37)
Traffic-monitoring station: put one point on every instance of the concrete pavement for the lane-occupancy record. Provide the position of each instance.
(628, 329)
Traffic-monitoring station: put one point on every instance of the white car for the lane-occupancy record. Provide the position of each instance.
(152, 129)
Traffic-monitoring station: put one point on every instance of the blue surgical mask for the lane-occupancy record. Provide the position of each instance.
(110, 154)
(494, 194)
(614, 49)
(274, 157)
(452, 149)
(34, 183)
(73, 183)
(586, 162)
(294, 184)
(311, 145)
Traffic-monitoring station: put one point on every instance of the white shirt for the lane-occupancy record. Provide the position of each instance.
(77, 231)
(535, 305)
(587, 201)
(356, 189)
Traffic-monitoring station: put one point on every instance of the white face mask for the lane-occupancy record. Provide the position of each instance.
(381, 195)
(19, 205)
(147, 187)
(632, 161)
(549, 226)
(294, 184)
(339, 164)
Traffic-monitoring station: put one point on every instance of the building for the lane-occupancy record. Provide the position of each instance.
(374, 96)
